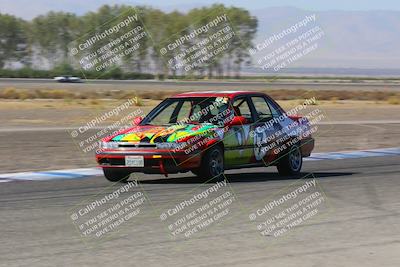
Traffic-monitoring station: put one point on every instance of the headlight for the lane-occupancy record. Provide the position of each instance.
(108, 145)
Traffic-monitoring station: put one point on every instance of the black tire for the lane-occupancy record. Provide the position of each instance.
(212, 165)
(291, 162)
(116, 175)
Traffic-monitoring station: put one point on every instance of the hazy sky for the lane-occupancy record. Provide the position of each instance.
(30, 8)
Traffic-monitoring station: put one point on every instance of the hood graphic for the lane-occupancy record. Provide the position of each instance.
(160, 134)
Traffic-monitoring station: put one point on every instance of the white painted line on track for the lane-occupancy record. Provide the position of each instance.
(359, 122)
(88, 172)
(394, 151)
(51, 175)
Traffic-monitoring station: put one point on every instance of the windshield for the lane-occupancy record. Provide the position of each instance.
(190, 110)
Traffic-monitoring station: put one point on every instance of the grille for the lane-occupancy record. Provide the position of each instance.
(128, 144)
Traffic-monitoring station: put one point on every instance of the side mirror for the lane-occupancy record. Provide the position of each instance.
(137, 120)
(237, 120)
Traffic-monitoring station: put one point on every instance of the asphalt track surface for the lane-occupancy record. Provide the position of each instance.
(359, 226)
(201, 85)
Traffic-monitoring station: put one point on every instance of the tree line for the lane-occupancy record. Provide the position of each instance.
(44, 42)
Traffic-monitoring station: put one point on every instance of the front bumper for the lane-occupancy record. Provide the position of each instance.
(155, 161)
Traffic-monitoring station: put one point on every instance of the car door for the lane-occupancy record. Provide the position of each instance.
(267, 129)
(237, 141)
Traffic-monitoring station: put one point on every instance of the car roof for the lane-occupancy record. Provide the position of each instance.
(229, 94)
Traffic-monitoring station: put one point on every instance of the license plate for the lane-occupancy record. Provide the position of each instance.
(134, 161)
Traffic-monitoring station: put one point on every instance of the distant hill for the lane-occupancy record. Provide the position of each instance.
(353, 39)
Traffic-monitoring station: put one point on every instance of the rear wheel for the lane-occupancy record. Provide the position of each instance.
(212, 165)
(291, 162)
(116, 175)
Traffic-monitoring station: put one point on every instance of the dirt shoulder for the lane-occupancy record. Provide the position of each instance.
(59, 112)
(36, 134)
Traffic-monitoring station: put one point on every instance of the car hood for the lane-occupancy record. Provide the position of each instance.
(160, 134)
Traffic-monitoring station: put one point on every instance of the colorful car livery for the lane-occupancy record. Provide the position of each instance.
(207, 133)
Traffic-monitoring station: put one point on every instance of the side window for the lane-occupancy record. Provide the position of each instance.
(262, 108)
(241, 108)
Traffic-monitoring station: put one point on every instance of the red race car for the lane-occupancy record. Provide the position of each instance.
(207, 133)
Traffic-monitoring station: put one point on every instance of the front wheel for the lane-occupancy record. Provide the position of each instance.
(212, 165)
(291, 162)
(116, 175)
